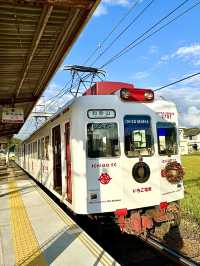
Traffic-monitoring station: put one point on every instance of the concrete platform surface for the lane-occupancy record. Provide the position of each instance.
(35, 231)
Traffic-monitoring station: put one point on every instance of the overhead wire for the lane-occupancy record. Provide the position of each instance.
(57, 98)
(137, 41)
(67, 91)
(64, 87)
(157, 23)
(130, 46)
(131, 8)
(123, 31)
(178, 81)
(63, 91)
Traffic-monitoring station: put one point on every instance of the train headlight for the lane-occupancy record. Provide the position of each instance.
(141, 172)
(125, 94)
(149, 95)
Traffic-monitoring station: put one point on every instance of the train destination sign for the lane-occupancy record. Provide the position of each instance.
(12, 115)
(101, 113)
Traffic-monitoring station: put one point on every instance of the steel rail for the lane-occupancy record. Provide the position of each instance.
(170, 253)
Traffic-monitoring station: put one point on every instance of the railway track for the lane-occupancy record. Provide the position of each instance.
(166, 251)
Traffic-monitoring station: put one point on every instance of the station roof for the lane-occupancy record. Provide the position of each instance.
(35, 36)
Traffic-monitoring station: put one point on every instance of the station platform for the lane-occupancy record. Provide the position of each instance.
(35, 231)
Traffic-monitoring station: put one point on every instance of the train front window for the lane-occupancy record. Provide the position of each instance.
(102, 140)
(167, 138)
(138, 136)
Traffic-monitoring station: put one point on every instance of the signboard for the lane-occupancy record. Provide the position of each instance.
(12, 115)
(166, 115)
(136, 122)
(101, 113)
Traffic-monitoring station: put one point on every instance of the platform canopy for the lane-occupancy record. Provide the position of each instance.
(35, 36)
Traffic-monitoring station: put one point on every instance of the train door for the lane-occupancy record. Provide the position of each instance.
(68, 163)
(57, 174)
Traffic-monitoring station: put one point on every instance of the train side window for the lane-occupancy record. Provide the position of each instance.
(31, 149)
(47, 148)
(39, 149)
(42, 149)
(167, 138)
(138, 136)
(102, 140)
(35, 149)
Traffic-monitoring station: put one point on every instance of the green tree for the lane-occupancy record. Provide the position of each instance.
(13, 143)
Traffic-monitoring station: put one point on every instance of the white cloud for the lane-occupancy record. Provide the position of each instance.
(190, 53)
(194, 81)
(54, 105)
(52, 101)
(116, 2)
(187, 98)
(153, 49)
(192, 50)
(193, 110)
(52, 89)
(165, 57)
(191, 118)
(102, 9)
(140, 75)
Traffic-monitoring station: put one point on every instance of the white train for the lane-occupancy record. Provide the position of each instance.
(111, 152)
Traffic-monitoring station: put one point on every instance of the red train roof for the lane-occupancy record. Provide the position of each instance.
(107, 87)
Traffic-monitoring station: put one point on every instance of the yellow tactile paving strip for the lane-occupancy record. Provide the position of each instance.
(26, 246)
(96, 250)
(28, 252)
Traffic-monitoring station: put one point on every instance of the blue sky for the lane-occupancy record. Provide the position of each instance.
(167, 56)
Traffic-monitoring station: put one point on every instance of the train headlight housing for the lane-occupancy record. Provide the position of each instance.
(137, 95)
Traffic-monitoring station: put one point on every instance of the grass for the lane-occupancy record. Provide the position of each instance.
(190, 205)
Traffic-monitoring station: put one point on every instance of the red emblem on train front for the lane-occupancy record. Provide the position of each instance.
(104, 178)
